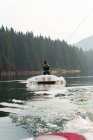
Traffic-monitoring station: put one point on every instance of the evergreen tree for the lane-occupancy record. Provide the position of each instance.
(19, 51)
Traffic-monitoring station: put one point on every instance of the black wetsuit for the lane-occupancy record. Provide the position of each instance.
(46, 69)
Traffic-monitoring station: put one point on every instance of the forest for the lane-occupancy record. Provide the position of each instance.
(23, 51)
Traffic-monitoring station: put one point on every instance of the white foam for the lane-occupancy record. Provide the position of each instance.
(32, 83)
(79, 125)
(17, 101)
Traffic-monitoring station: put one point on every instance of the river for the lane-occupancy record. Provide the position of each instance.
(24, 114)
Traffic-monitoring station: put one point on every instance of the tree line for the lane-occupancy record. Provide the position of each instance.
(23, 51)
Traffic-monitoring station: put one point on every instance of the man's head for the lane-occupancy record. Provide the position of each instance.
(45, 61)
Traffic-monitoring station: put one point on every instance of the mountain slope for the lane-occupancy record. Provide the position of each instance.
(85, 44)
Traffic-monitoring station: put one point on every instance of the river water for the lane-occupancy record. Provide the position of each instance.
(24, 114)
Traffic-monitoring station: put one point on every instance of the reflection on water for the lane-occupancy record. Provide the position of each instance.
(58, 110)
(3, 114)
(80, 81)
(13, 90)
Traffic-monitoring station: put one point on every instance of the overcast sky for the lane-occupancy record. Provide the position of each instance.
(71, 20)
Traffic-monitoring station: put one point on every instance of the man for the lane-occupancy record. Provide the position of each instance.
(46, 68)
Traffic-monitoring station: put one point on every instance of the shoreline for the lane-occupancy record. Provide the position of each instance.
(30, 73)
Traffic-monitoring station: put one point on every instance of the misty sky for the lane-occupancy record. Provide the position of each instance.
(71, 20)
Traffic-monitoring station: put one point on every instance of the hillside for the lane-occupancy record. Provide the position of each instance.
(86, 43)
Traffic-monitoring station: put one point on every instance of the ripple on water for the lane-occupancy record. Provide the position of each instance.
(57, 113)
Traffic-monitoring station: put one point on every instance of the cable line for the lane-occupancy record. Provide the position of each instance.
(79, 24)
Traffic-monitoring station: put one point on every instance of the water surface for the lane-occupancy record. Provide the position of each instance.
(25, 114)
